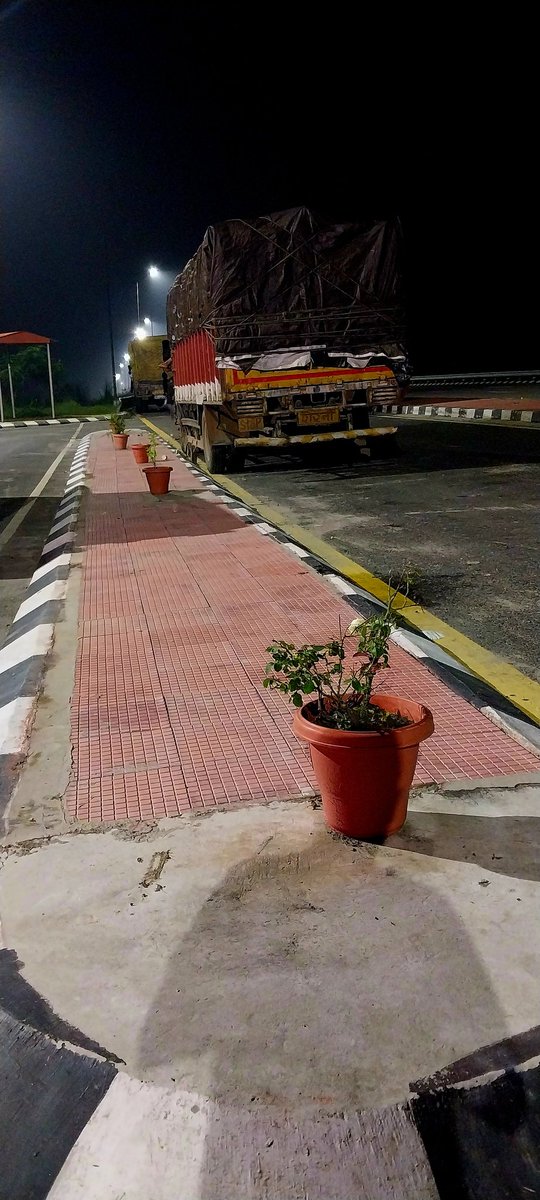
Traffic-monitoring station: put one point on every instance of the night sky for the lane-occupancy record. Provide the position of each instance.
(122, 140)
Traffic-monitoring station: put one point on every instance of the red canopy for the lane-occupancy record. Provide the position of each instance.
(22, 339)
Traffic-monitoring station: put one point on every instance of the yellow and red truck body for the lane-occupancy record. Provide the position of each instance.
(250, 377)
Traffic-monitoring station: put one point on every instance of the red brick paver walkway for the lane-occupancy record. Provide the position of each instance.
(179, 600)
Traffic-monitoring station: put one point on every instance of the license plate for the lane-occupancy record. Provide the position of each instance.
(318, 416)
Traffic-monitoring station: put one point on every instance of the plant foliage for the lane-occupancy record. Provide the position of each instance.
(342, 692)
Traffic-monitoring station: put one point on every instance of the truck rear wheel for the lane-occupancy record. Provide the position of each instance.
(217, 452)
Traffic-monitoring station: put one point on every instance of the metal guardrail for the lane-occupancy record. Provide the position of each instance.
(475, 379)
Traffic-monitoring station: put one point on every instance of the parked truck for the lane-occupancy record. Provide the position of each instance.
(285, 330)
(148, 372)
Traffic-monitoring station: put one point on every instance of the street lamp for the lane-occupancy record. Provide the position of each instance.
(154, 273)
(147, 322)
(140, 332)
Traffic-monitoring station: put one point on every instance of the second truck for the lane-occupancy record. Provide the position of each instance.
(148, 373)
(284, 331)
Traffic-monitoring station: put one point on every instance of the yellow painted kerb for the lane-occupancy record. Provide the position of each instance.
(506, 679)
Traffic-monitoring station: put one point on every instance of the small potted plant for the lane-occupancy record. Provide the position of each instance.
(140, 452)
(117, 422)
(364, 744)
(157, 474)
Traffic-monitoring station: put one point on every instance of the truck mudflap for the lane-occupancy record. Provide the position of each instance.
(360, 436)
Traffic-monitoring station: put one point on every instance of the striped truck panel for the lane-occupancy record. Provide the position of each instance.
(198, 380)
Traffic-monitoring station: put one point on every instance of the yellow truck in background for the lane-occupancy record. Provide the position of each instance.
(148, 373)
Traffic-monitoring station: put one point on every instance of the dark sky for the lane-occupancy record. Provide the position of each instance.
(123, 138)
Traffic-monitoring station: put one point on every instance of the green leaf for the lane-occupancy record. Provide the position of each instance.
(297, 700)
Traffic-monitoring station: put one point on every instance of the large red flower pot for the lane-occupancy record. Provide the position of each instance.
(365, 778)
(120, 440)
(140, 452)
(157, 478)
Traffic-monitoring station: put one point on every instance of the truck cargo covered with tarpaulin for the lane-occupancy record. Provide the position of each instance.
(292, 279)
(286, 330)
(23, 338)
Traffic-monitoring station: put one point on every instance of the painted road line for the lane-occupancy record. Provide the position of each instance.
(502, 677)
(22, 512)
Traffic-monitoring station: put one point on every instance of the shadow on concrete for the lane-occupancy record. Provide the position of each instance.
(309, 983)
(507, 845)
(137, 517)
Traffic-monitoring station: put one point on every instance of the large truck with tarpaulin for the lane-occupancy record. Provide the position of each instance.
(147, 365)
(285, 330)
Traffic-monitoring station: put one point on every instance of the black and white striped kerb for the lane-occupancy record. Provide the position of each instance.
(23, 654)
(85, 1129)
(421, 645)
(512, 415)
(50, 421)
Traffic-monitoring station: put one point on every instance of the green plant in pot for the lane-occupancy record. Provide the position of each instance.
(157, 473)
(117, 422)
(364, 744)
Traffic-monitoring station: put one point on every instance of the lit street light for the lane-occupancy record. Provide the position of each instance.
(147, 321)
(154, 273)
(140, 332)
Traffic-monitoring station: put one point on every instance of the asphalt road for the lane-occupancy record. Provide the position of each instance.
(460, 504)
(25, 458)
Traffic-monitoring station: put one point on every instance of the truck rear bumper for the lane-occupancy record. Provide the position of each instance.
(361, 436)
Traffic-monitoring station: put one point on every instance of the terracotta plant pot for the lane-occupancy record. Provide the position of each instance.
(364, 778)
(158, 478)
(120, 440)
(140, 452)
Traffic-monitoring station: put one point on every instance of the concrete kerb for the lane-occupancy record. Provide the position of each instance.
(503, 694)
(526, 418)
(30, 638)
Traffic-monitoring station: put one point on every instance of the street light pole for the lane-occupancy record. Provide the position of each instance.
(11, 389)
(138, 305)
(50, 380)
(111, 339)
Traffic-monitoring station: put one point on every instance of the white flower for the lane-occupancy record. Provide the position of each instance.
(355, 626)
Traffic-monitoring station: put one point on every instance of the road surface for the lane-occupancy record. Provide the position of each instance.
(34, 464)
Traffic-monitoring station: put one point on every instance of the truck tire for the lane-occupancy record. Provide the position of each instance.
(217, 451)
(218, 459)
